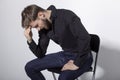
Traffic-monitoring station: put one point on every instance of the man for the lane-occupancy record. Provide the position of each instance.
(63, 27)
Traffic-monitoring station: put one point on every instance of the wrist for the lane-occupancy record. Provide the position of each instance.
(29, 41)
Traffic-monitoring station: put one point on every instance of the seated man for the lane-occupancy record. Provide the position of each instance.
(64, 28)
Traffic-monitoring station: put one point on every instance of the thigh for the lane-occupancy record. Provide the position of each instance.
(73, 74)
(49, 61)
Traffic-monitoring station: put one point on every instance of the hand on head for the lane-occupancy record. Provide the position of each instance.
(28, 34)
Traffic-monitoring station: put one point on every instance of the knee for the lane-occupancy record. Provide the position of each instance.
(28, 67)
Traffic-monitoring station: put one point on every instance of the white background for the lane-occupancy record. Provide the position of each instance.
(98, 16)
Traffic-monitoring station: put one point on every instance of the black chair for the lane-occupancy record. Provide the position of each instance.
(94, 44)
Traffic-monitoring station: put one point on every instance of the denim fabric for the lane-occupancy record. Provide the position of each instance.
(54, 60)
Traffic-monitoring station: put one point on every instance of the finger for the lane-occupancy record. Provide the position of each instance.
(70, 61)
(63, 69)
(28, 28)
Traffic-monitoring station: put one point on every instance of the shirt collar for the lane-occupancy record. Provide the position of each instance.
(53, 13)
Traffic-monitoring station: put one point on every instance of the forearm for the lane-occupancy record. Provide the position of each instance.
(80, 59)
(83, 50)
(37, 51)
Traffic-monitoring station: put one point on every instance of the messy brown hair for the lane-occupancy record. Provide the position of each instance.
(30, 14)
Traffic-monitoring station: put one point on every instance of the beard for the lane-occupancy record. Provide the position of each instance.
(47, 23)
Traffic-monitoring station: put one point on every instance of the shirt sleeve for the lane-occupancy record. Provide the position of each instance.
(39, 49)
(83, 40)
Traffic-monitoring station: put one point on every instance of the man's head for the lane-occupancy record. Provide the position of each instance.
(35, 17)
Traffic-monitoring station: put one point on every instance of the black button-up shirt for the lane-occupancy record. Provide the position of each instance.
(67, 31)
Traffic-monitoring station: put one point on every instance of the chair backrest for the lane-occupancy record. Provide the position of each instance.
(95, 42)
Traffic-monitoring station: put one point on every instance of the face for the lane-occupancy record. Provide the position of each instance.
(40, 23)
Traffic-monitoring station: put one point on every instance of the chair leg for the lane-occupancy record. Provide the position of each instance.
(54, 76)
(93, 78)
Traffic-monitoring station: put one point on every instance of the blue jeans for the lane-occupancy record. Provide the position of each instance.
(54, 60)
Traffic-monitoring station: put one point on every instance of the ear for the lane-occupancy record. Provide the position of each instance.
(41, 14)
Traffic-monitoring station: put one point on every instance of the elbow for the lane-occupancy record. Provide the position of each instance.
(39, 54)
